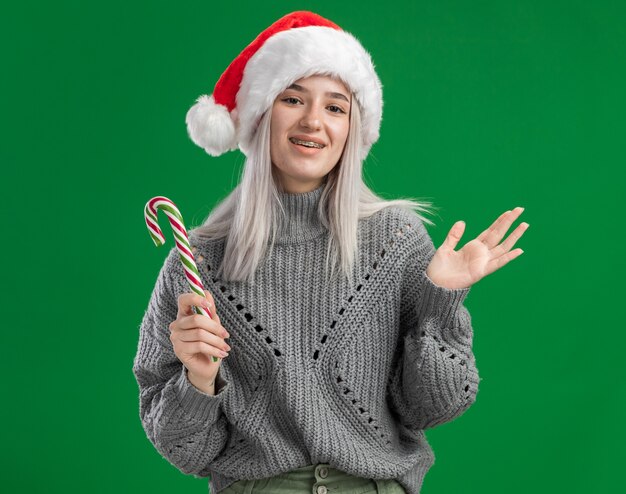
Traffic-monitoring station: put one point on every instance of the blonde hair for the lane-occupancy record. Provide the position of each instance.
(247, 217)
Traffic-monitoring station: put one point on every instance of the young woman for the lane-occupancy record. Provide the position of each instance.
(347, 333)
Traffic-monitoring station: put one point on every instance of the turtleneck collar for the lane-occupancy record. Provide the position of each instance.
(301, 222)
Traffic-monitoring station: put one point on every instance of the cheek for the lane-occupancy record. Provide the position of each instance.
(274, 138)
(274, 150)
(340, 134)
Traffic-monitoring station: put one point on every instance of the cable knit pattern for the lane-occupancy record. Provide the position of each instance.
(348, 374)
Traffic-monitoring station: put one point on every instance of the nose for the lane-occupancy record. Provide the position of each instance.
(311, 118)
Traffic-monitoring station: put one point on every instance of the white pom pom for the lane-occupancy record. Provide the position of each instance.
(209, 126)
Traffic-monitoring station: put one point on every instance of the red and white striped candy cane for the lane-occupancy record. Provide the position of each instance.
(182, 244)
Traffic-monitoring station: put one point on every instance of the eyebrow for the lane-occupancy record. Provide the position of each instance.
(297, 87)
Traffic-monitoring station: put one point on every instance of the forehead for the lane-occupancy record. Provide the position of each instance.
(327, 82)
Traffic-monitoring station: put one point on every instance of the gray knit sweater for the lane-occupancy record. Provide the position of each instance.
(348, 374)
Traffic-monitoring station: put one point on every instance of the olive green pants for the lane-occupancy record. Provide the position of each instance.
(315, 479)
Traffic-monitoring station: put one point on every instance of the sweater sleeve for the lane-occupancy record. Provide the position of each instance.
(186, 426)
(435, 379)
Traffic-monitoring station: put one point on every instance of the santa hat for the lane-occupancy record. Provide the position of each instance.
(297, 45)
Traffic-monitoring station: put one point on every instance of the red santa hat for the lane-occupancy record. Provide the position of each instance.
(297, 45)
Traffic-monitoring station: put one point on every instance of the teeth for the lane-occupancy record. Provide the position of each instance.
(310, 144)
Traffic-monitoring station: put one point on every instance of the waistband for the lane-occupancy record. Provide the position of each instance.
(322, 474)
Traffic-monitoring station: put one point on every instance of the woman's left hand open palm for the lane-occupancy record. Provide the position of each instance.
(479, 257)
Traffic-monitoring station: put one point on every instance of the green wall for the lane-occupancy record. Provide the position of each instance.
(488, 105)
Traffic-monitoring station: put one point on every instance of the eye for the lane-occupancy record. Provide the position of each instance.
(338, 108)
(291, 99)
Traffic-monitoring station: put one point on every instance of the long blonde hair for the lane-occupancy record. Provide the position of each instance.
(246, 218)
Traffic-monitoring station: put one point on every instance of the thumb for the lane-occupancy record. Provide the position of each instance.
(211, 304)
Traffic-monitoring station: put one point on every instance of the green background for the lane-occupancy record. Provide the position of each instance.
(488, 105)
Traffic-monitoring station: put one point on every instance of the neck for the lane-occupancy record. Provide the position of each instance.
(300, 222)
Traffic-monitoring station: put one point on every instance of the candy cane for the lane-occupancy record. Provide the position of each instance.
(182, 244)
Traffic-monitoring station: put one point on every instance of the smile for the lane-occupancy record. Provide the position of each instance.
(309, 144)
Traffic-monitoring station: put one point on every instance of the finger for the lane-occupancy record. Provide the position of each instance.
(515, 235)
(194, 347)
(201, 335)
(211, 304)
(187, 301)
(454, 235)
(198, 321)
(501, 261)
(492, 235)
(487, 235)
(209, 297)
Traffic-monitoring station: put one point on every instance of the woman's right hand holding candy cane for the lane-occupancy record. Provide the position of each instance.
(197, 338)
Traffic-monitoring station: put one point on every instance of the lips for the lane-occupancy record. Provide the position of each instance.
(301, 137)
